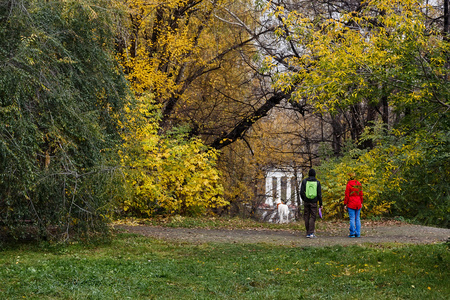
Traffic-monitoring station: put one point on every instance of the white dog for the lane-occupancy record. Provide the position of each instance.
(283, 211)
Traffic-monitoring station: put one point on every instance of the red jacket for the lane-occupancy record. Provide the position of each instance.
(353, 195)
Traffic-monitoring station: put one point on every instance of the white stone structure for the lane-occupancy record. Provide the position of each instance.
(288, 193)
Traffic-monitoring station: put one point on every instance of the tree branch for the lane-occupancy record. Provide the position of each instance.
(239, 130)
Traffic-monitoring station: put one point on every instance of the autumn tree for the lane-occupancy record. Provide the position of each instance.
(191, 59)
(383, 52)
(193, 56)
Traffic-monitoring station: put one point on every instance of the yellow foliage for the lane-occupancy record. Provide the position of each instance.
(334, 179)
(169, 40)
(168, 172)
(342, 62)
(378, 170)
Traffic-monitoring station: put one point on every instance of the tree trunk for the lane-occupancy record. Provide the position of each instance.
(446, 20)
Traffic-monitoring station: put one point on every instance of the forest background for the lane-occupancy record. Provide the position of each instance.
(142, 108)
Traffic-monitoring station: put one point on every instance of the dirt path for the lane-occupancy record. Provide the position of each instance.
(412, 234)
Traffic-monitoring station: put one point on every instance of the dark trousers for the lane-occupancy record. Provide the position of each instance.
(309, 215)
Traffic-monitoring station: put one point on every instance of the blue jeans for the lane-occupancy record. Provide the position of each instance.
(355, 221)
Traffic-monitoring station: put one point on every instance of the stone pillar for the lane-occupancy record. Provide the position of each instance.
(269, 191)
(278, 188)
(288, 189)
(297, 189)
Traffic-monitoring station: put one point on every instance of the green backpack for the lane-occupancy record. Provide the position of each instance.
(311, 189)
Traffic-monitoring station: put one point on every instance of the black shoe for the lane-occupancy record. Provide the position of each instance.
(352, 236)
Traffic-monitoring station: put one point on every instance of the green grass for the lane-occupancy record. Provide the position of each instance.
(135, 267)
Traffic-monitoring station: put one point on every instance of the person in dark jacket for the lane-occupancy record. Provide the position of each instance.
(310, 205)
(353, 203)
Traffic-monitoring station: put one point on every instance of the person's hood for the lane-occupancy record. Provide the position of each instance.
(354, 182)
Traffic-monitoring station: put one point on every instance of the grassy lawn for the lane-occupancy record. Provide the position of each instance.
(135, 267)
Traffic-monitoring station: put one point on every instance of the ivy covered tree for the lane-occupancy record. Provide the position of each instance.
(61, 94)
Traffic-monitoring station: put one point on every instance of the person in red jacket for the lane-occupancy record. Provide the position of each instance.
(353, 202)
